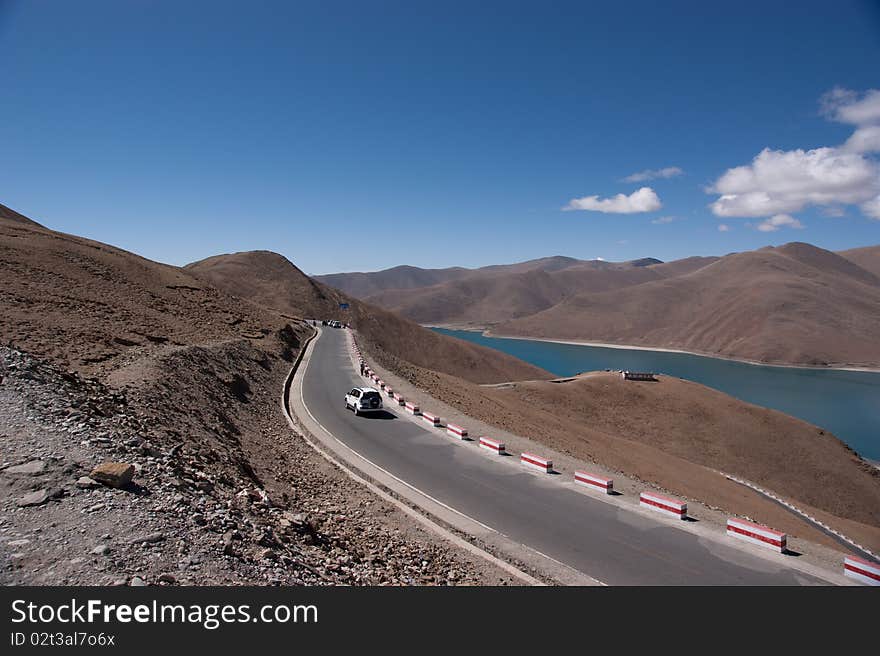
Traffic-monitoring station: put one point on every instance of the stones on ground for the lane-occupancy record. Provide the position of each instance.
(228, 543)
(149, 538)
(114, 474)
(193, 503)
(36, 498)
(137, 582)
(32, 468)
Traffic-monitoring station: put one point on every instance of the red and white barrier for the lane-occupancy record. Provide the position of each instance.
(399, 398)
(412, 408)
(389, 391)
(594, 482)
(495, 446)
(430, 418)
(665, 505)
(536, 462)
(861, 570)
(456, 431)
(756, 534)
(381, 383)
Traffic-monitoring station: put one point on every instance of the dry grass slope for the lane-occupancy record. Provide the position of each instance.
(793, 304)
(272, 281)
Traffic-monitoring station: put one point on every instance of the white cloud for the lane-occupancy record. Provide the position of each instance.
(778, 221)
(779, 182)
(864, 140)
(871, 208)
(845, 106)
(723, 227)
(642, 200)
(653, 174)
(664, 219)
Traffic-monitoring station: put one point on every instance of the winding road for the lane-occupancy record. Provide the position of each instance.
(611, 544)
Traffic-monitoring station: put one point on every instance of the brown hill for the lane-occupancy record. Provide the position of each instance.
(476, 299)
(272, 281)
(793, 304)
(498, 293)
(11, 215)
(95, 307)
(114, 357)
(363, 285)
(868, 258)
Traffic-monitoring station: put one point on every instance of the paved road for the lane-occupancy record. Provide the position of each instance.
(614, 545)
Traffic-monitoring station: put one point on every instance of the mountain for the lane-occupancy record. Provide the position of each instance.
(867, 258)
(108, 356)
(488, 295)
(793, 304)
(13, 216)
(272, 281)
(363, 285)
(96, 308)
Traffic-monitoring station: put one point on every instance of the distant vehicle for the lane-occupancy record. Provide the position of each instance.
(363, 399)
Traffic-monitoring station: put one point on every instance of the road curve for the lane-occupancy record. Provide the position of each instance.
(611, 544)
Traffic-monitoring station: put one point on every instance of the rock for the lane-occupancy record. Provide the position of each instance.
(37, 498)
(31, 468)
(18, 543)
(294, 518)
(86, 483)
(137, 582)
(228, 539)
(114, 474)
(101, 550)
(149, 538)
(167, 578)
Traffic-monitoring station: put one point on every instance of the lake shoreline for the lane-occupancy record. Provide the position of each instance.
(486, 332)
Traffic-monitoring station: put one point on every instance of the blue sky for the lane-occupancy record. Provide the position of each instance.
(358, 136)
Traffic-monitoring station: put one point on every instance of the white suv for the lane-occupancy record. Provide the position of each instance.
(363, 399)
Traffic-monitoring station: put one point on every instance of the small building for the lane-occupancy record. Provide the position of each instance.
(638, 375)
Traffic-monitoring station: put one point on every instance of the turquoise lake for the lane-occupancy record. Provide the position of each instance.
(846, 403)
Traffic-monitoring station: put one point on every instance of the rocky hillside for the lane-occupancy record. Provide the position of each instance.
(111, 358)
